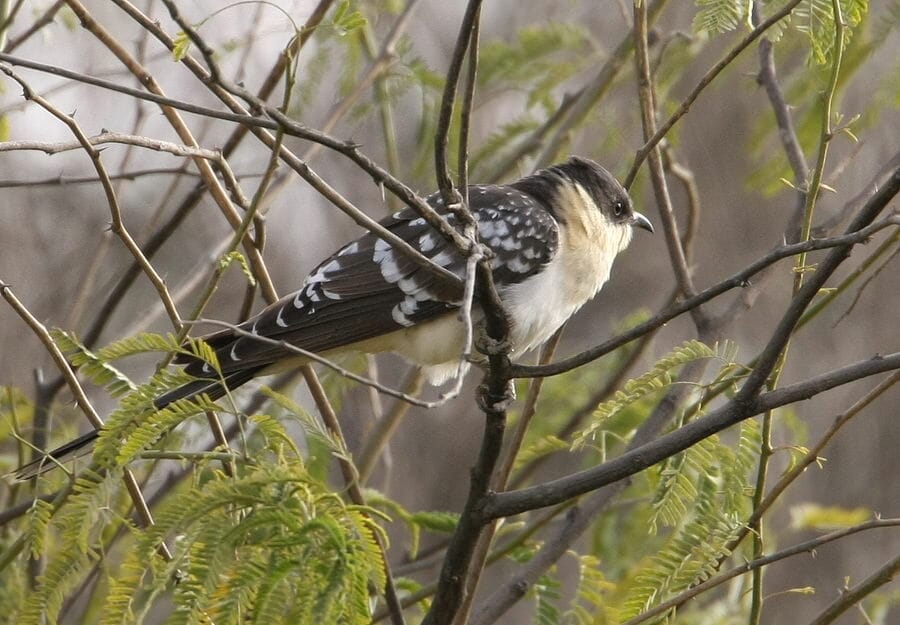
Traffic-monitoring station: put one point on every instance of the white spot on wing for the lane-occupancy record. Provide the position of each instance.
(298, 300)
(427, 242)
(518, 266)
(333, 265)
(408, 306)
(388, 265)
(423, 295)
(444, 258)
(398, 316)
(353, 248)
(279, 321)
(409, 285)
(233, 353)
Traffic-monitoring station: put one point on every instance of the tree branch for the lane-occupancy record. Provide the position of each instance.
(631, 462)
(739, 279)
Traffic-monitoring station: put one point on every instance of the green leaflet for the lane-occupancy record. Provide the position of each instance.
(659, 377)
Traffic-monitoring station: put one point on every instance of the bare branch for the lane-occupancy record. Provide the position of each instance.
(739, 279)
(704, 82)
(109, 137)
(805, 547)
(852, 596)
(629, 463)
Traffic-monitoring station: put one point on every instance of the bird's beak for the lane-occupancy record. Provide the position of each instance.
(639, 221)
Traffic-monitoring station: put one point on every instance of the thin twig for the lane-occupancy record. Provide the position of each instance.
(739, 279)
(104, 138)
(881, 576)
(353, 489)
(704, 82)
(787, 133)
(660, 186)
(805, 547)
(445, 114)
(322, 361)
(131, 175)
(118, 227)
(81, 399)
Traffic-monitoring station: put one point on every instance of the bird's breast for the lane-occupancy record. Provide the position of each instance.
(539, 305)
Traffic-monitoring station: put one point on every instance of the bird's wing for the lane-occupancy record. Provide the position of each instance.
(367, 289)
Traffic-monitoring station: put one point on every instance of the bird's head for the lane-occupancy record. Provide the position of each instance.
(589, 200)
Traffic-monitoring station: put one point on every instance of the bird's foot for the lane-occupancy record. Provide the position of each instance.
(493, 402)
(488, 345)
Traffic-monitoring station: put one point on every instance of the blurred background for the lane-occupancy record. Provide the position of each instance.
(58, 256)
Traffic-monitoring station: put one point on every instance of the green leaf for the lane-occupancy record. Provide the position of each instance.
(444, 522)
(90, 364)
(237, 256)
(659, 377)
(815, 18)
(812, 516)
(182, 45)
(346, 21)
(719, 16)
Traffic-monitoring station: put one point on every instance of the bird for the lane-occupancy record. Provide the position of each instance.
(553, 236)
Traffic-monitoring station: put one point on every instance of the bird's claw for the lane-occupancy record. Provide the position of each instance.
(491, 402)
(488, 345)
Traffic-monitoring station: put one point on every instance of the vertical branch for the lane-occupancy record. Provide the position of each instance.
(462, 166)
(825, 137)
(501, 478)
(445, 115)
(352, 483)
(811, 195)
(660, 188)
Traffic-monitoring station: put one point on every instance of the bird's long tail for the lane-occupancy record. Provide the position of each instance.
(84, 444)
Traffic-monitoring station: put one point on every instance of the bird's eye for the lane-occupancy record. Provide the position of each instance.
(619, 209)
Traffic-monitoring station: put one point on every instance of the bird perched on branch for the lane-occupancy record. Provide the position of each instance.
(553, 236)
